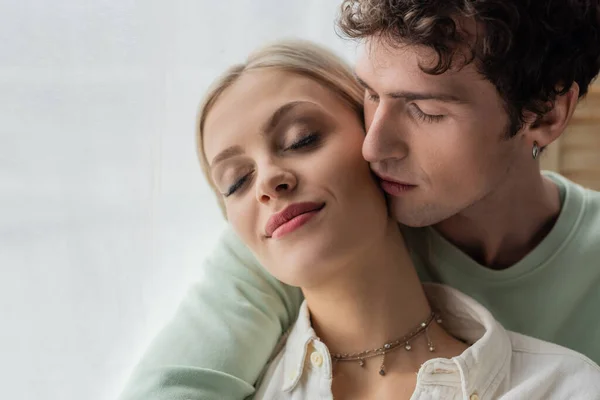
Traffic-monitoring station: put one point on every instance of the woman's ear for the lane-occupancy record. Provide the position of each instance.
(547, 128)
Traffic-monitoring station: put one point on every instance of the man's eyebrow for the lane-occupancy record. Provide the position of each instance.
(362, 83)
(411, 96)
(225, 154)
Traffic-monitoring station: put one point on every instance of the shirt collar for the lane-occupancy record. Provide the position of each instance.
(299, 338)
(480, 368)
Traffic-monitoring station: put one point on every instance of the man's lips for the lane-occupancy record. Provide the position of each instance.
(394, 187)
(291, 218)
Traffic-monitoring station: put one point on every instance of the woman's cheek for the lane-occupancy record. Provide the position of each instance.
(243, 220)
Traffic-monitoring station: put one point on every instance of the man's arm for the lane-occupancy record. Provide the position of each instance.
(222, 334)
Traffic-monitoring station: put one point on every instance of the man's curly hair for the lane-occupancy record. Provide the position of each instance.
(530, 50)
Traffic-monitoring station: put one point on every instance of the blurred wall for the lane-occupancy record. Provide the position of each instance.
(104, 214)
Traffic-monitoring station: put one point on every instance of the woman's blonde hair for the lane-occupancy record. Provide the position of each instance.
(296, 56)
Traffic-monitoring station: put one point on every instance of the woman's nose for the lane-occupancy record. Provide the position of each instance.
(277, 182)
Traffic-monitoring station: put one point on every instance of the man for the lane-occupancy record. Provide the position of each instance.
(461, 99)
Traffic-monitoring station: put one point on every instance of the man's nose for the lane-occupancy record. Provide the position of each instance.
(384, 139)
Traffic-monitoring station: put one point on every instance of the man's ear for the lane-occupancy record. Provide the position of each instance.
(547, 128)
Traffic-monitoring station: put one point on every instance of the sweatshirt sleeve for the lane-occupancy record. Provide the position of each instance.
(223, 333)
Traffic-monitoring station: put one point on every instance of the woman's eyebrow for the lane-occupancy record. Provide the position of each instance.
(269, 126)
(225, 154)
(281, 113)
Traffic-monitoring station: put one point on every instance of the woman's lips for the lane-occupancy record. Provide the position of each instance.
(291, 218)
(396, 188)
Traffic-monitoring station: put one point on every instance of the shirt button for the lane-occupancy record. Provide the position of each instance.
(474, 396)
(316, 359)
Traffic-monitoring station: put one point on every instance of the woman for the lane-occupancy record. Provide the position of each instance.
(280, 140)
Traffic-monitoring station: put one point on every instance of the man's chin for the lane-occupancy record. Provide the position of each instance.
(414, 217)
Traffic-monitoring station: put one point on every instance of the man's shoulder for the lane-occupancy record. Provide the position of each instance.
(592, 201)
(589, 196)
(589, 224)
(582, 206)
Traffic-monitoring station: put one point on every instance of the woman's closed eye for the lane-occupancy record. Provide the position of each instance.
(237, 185)
(305, 141)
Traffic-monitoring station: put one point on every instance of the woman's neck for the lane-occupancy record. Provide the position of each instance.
(376, 299)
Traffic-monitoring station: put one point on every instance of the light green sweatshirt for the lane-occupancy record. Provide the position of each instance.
(226, 328)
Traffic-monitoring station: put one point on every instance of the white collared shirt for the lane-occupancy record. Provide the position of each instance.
(499, 364)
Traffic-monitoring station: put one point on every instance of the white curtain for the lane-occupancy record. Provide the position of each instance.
(104, 214)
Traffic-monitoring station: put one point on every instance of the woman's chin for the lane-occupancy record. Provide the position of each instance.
(302, 273)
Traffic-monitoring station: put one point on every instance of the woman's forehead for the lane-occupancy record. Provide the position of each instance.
(268, 86)
(250, 102)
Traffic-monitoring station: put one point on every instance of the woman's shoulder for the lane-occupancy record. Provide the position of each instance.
(551, 371)
(534, 350)
(270, 382)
